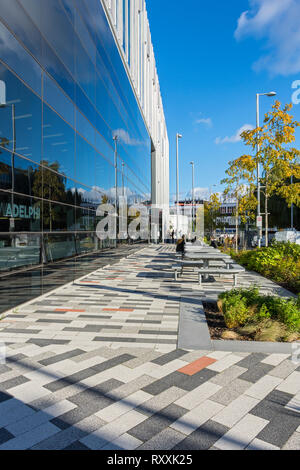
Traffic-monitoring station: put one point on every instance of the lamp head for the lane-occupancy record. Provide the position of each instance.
(272, 93)
(179, 136)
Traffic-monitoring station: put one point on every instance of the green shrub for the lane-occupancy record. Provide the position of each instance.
(235, 310)
(263, 313)
(279, 262)
(240, 306)
(289, 314)
(251, 295)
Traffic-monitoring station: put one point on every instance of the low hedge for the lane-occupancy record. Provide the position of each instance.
(280, 262)
(244, 306)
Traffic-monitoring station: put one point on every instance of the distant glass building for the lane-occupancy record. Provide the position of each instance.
(74, 74)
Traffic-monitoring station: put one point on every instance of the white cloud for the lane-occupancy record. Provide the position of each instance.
(206, 121)
(95, 194)
(278, 23)
(123, 135)
(236, 137)
(200, 193)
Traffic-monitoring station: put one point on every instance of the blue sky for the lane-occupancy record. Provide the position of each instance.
(212, 59)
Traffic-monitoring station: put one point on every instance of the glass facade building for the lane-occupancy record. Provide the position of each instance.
(67, 88)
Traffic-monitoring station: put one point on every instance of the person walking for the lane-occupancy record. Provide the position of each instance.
(180, 245)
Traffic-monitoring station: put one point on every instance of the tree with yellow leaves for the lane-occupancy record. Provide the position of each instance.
(240, 186)
(211, 211)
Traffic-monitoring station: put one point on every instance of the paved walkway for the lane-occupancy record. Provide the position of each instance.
(95, 365)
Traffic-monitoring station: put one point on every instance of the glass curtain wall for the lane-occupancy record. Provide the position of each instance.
(67, 97)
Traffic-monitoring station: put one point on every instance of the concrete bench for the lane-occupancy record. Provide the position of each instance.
(214, 271)
(177, 268)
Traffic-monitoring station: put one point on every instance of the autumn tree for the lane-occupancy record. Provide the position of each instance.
(212, 211)
(240, 186)
(104, 199)
(278, 160)
(49, 185)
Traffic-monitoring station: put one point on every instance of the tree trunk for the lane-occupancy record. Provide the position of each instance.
(267, 219)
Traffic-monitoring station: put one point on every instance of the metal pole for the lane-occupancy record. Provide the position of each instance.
(193, 196)
(116, 169)
(116, 176)
(13, 116)
(270, 94)
(177, 188)
(258, 172)
(237, 222)
(123, 188)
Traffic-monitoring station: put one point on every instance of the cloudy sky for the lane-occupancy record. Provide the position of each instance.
(212, 59)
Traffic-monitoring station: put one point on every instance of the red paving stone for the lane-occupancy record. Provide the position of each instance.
(89, 282)
(196, 366)
(68, 310)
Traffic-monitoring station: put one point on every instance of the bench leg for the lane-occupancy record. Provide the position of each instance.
(200, 279)
(235, 280)
(176, 275)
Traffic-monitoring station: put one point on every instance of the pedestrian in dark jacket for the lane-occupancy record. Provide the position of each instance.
(180, 245)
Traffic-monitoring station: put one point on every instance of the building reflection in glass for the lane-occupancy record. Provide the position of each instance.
(67, 97)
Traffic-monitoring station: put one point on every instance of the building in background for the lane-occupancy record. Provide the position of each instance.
(74, 76)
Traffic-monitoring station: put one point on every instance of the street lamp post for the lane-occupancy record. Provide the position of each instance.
(271, 93)
(193, 193)
(116, 180)
(3, 104)
(116, 168)
(178, 136)
(13, 117)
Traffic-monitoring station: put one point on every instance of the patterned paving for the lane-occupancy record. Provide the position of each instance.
(95, 365)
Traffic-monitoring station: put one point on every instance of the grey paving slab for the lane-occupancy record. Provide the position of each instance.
(4, 369)
(187, 383)
(284, 369)
(13, 383)
(77, 445)
(272, 405)
(229, 375)
(31, 438)
(86, 376)
(169, 357)
(164, 440)
(202, 438)
(280, 429)
(231, 392)
(293, 443)
(251, 360)
(4, 397)
(158, 422)
(5, 435)
(61, 357)
(256, 372)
